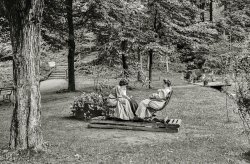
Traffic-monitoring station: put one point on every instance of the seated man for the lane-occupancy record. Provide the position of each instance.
(156, 101)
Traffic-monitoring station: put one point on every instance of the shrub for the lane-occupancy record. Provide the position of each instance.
(240, 70)
(88, 105)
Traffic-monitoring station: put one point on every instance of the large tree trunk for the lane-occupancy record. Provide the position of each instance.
(25, 20)
(150, 67)
(71, 44)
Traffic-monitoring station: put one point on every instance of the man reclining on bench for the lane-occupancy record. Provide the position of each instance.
(156, 101)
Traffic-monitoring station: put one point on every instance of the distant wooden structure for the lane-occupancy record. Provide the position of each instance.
(58, 71)
(6, 92)
(216, 85)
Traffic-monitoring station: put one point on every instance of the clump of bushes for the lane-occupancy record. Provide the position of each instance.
(89, 105)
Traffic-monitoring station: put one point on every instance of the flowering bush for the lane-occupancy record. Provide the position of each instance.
(88, 105)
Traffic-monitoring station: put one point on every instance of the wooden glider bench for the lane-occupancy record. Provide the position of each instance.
(169, 126)
(6, 92)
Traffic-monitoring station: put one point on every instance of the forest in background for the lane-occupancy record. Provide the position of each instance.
(193, 33)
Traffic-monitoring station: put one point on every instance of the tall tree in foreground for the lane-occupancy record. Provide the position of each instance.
(25, 18)
(71, 44)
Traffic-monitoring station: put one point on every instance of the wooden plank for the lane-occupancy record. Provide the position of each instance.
(175, 123)
(7, 88)
(179, 121)
(121, 123)
(5, 92)
(147, 128)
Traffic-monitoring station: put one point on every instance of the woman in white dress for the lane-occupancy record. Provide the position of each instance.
(156, 101)
(125, 106)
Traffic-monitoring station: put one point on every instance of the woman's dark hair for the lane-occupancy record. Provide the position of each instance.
(123, 82)
(166, 81)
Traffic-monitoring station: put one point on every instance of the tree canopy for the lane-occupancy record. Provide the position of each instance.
(162, 25)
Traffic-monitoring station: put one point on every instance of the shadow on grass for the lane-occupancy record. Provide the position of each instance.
(16, 156)
(73, 118)
(67, 91)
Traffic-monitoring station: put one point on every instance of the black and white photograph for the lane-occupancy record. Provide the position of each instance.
(124, 81)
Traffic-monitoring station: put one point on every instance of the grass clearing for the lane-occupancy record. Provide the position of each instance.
(205, 135)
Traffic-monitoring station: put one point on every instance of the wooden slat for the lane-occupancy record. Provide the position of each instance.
(179, 122)
(5, 92)
(147, 128)
(175, 123)
(122, 123)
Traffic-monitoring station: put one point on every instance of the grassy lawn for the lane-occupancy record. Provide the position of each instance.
(205, 135)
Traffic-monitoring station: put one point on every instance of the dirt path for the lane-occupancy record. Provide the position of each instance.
(53, 85)
(185, 86)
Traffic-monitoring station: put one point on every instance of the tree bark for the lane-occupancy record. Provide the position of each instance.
(150, 67)
(124, 46)
(71, 44)
(155, 21)
(25, 18)
(211, 10)
(125, 65)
